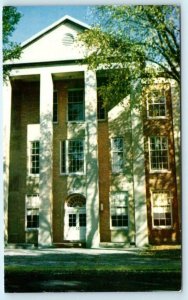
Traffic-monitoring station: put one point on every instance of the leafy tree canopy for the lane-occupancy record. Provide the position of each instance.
(11, 50)
(133, 37)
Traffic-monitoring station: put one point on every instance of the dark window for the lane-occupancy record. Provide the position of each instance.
(55, 107)
(32, 218)
(101, 112)
(72, 220)
(82, 220)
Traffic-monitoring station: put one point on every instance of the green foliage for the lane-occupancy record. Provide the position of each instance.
(11, 50)
(129, 40)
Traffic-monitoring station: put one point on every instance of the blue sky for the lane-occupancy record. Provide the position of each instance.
(36, 18)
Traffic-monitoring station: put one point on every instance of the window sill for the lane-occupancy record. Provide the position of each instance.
(72, 174)
(32, 229)
(159, 171)
(162, 227)
(157, 118)
(119, 228)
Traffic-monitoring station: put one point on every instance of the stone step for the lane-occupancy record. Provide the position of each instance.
(70, 244)
(115, 245)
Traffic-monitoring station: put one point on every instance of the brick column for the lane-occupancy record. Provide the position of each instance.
(139, 188)
(7, 95)
(92, 188)
(46, 140)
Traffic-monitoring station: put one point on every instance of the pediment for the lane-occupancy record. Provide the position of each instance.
(56, 43)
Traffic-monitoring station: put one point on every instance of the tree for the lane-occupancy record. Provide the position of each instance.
(11, 50)
(133, 38)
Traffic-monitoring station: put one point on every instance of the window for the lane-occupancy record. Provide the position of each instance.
(119, 210)
(34, 157)
(101, 112)
(32, 218)
(158, 153)
(117, 155)
(68, 39)
(55, 107)
(72, 157)
(76, 105)
(162, 209)
(32, 211)
(156, 104)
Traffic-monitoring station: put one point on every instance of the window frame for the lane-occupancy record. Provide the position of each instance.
(112, 155)
(159, 170)
(66, 157)
(76, 90)
(30, 158)
(32, 204)
(125, 195)
(169, 198)
(150, 96)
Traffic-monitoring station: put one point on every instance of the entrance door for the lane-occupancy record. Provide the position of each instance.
(75, 219)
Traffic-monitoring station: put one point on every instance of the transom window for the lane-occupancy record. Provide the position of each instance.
(117, 154)
(72, 157)
(34, 157)
(156, 104)
(158, 146)
(162, 209)
(119, 210)
(76, 105)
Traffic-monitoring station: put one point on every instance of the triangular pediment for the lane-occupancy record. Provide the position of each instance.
(57, 42)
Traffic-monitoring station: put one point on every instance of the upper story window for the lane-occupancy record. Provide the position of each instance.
(158, 151)
(55, 107)
(161, 209)
(76, 109)
(72, 157)
(119, 209)
(117, 154)
(34, 157)
(101, 111)
(156, 102)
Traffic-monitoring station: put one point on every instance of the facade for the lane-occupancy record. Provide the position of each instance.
(74, 173)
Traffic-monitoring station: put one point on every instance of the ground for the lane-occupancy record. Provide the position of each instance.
(62, 270)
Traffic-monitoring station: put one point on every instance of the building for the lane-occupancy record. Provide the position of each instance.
(75, 173)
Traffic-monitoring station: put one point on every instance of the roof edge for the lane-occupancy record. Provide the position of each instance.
(53, 25)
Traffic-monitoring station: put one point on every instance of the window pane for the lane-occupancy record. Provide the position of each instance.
(162, 215)
(117, 155)
(158, 153)
(76, 105)
(34, 157)
(32, 218)
(119, 209)
(76, 156)
(157, 104)
(72, 220)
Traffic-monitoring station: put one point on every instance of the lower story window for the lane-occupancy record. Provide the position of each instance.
(162, 209)
(119, 210)
(32, 211)
(32, 217)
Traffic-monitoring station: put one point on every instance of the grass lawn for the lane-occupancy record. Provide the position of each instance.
(147, 270)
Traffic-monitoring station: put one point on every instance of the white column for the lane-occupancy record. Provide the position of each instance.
(139, 187)
(46, 142)
(92, 188)
(7, 94)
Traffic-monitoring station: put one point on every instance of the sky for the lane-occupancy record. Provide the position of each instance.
(36, 18)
